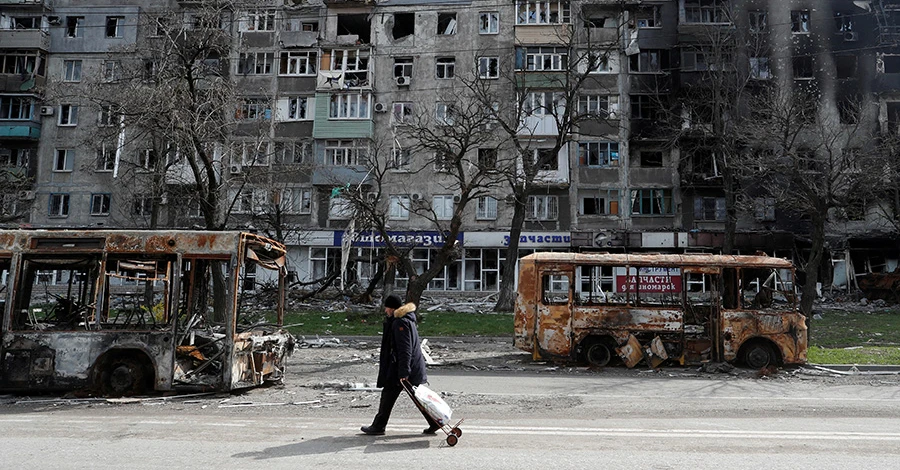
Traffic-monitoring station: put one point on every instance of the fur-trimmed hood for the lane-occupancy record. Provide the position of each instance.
(401, 311)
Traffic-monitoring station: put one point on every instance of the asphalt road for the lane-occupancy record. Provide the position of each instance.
(512, 420)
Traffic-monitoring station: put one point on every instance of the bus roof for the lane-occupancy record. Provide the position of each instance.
(131, 241)
(659, 259)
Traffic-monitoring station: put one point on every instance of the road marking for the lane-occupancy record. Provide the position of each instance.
(671, 433)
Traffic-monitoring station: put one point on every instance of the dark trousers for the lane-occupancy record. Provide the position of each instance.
(389, 396)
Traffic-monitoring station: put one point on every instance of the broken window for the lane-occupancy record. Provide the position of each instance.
(74, 26)
(848, 109)
(355, 25)
(137, 293)
(403, 67)
(759, 21)
(803, 67)
(542, 208)
(598, 202)
(596, 285)
(488, 67)
(651, 159)
(445, 67)
(646, 17)
(799, 21)
(657, 286)
(651, 202)
(404, 25)
(555, 289)
(890, 63)
(706, 11)
(845, 65)
(603, 154)
(542, 12)
(67, 302)
(759, 68)
(446, 24)
(709, 208)
(488, 22)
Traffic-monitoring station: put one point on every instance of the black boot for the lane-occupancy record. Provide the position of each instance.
(372, 431)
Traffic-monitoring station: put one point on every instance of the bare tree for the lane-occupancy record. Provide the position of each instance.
(443, 144)
(811, 166)
(534, 106)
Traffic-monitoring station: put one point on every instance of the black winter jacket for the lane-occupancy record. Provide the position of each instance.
(401, 355)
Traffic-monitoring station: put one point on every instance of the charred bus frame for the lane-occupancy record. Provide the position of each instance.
(655, 307)
(123, 312)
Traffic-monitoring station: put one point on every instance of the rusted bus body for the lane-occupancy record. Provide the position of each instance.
(123, 312)
(658, 307)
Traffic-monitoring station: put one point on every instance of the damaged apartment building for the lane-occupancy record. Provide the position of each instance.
(308, 85)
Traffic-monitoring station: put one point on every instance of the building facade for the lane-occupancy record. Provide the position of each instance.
(316, 87)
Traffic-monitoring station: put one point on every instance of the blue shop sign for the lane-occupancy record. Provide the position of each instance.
(418, 239)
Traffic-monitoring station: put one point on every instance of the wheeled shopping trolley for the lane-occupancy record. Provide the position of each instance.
(435, 408)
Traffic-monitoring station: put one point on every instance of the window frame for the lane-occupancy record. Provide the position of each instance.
(531, 13)
(606, 156)
(448, 64)
(493, 22)
(611, 205)
(294, 59)
(659, 201)
(72, 69)
(68, 115)
(114, 22)
(486, 208)
(485, 70)
(62, 205)
(349, 106)
(443, 206)
(800, 21)
(398, 207)
(542, 207)
(104, 200)
(67, 163)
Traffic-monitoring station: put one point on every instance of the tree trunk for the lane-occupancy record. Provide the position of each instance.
(811, 267)
(506, 300)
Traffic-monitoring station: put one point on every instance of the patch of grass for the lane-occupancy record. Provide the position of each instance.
(369, 324)
(881, 355)
(842, 329)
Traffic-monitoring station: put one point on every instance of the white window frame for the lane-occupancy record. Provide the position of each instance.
(106, 159)
(542, 207)
(445, 68)
(399, 207)
(402, 112)
(115, 22)
(399, 159)
(293, 152)
(349, 106)
(344, 153)
(72, 70)
(486, 208)
(298, 108)
(74, 26)
(489, 22)
(442, 205)
(110, 71)
(296, 200)
(104, 200)
(106, 116)
(543, 103)
(63, 160)
(68, 115)
(58, 205)
(485, 69)
(142, 206)
(147, 159)
(258, 20)
(298, 63)
(444, 113)
(544, 59)
(542, 12)
(605, 106)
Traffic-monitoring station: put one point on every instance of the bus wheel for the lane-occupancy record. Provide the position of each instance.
(597, 353)
(758, 355)
(124, 375)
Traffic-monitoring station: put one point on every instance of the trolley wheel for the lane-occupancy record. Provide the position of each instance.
(457, 432)
(452, 440)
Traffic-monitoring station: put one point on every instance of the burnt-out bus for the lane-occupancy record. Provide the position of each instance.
(126, 312)
(686, 309)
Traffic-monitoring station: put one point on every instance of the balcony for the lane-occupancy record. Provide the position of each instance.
(24, 38)
(343, 80)
(26, 130)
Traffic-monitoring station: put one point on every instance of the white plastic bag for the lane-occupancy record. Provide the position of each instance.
(437, 408)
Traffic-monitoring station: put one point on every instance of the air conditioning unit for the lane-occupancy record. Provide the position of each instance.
(235, 169)
(380, 108)
(456, 199)
(415, 197)
(403, 80)
(26, 195)
(54, 20)
(371, 196)
(46, 110)
(510, 198)
(851, 36)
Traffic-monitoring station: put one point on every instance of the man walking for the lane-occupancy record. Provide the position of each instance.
(401, 358)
